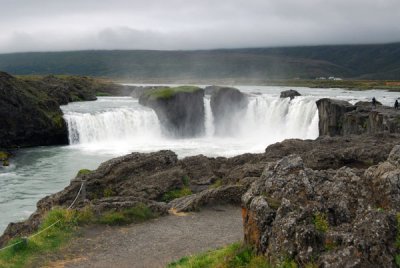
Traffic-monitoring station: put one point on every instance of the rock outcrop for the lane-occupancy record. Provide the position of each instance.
(28, 116)
(138, 91)
(146, 178)
(291, 93)
(228, 106)
(180, 110)
(328, 218)
(29, 107)
(342, 118)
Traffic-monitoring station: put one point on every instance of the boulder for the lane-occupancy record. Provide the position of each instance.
(228, 106)
(291, 93)
(180, 110)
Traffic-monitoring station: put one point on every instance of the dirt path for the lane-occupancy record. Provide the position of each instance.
(154, 243)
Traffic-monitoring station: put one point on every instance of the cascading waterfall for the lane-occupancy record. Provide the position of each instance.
(116, 124)
(266, 120)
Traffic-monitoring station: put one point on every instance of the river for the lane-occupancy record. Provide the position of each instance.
(114, 126)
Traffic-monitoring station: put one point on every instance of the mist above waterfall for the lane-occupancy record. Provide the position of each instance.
(128, 126)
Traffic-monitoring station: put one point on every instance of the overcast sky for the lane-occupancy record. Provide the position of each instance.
(53, 25)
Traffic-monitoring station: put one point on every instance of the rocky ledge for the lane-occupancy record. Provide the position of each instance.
(163, 182)
(30, 113)
(344, 217)
(180, 110)
(227, 105)
(338, 117)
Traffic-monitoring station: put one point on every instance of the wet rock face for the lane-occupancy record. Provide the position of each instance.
(227, 105)
(342, 118)
(331, 218)
(181, 113)
(331, 114)
(291, 93)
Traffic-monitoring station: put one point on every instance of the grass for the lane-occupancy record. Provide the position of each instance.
(321, 222)
(3, 155)
(216, 184)
(52, 239)
(84, 172)
(108, 192)
(102, 94)
(166, 93)
(171, 195)
(186, 180)
(138, 213)
(234, 255)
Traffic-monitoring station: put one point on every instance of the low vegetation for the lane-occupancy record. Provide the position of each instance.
(232, 256)
(321, 222)
(138, 213)
(64, 225)
(84, 172)
(165, 93)
(171, 195)
(218, 183)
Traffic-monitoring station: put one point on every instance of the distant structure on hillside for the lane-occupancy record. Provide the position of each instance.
(329, 78)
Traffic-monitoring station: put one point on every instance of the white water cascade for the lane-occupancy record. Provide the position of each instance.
(116, 124)
(132, 127)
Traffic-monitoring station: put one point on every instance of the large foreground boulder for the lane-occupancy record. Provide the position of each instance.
(327, 218)
(228, 106)
(180, 110)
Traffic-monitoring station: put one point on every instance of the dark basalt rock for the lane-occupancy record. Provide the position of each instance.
(228, 106)
(68, 89)
(29, 108)
(180, 110)
(342, 118)
(331, 218)
(291, 93)
(28, 116)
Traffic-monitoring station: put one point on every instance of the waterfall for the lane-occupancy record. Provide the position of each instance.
(115, 124)
(209, 119)
(266, 120)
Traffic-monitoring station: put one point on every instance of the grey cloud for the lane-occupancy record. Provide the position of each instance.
(43, 25)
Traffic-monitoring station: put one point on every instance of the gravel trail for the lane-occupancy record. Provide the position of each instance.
(153, 243)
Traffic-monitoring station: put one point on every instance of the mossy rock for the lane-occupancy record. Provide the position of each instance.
(169, 92)
(84, 172)
(4, 156)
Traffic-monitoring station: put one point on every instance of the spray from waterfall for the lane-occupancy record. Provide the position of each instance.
(266, 120)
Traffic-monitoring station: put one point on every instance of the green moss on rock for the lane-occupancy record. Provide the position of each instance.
(168, 92)
(171, 195)
(84, 172)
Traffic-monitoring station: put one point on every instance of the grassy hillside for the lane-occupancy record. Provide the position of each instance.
(259, 64)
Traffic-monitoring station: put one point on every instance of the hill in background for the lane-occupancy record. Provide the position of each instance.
(253, 64)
